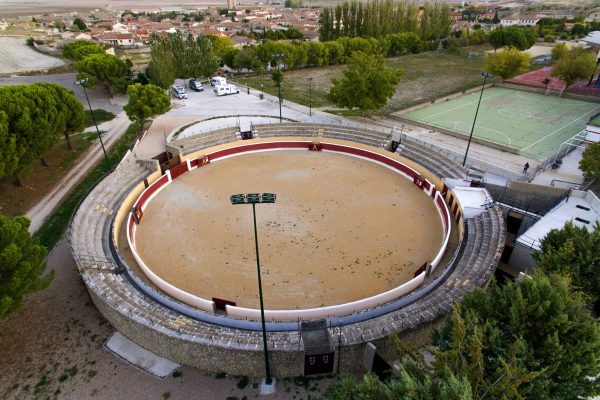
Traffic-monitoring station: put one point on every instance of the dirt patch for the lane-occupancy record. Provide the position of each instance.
(17, 200)
(53, 349)
(342, 229)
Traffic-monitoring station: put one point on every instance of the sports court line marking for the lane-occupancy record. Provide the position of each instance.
(559, 129)
(462, 105)
(493, 130)
(477, 127)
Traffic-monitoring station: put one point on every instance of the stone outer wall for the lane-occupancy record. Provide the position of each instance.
(216, 348)
(209, 356)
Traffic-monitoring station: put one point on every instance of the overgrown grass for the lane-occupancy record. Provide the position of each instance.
(100, 115)
(56, 225)
(427, 76)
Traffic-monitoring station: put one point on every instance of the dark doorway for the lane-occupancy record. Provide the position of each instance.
(381, 368)
(318, 363)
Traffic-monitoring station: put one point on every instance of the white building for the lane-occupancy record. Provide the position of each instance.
(582, 208)
(520, 19)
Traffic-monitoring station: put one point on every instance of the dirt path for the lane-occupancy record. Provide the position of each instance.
(53, 348)
(44, 208)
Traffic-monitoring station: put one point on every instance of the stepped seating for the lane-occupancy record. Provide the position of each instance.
(207, 139)
(87, 236)
(434, 162)
(285, 129)
(90, 221)
(484, 246)
(359, 135)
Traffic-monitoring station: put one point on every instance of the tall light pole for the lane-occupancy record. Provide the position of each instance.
(278, 57)
(256, 198)
(310, 96)
(81, 83)
(485, 75)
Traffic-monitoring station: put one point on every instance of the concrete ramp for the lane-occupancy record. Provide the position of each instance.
(140, 357)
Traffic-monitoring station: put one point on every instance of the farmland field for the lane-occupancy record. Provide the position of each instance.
(16, 56)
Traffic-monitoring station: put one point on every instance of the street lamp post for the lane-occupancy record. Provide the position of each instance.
(81, 83)
(310, 96)
(485, 75)
(256, 198)
(278, 57)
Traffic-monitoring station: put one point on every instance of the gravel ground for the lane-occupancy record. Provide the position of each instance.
(53, 348)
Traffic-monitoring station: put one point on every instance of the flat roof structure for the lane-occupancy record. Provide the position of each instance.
(583, 208)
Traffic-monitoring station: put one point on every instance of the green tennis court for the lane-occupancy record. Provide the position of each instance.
(531, 123)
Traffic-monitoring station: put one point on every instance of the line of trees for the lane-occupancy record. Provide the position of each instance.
(317, 54)
(521, 37)
(382, 17)
(179, 56)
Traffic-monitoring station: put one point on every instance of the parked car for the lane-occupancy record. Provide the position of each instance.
(218, 80)
(222, 90)
(178, 92)
(196, 85)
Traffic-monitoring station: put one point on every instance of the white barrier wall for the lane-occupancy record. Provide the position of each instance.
(290, 315)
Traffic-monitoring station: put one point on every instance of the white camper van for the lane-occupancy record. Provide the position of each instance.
(218, 81)
(222, 90)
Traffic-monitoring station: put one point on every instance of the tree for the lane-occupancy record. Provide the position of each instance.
(277, 77)
(528, 339)
(146, 102)
(161, 69)
(366, 85)
(590, 162)
(9, 159)
(22, 262)
(496, 37)
(37, 116)
(79, 24)
(508, 63)
(575, 64)
(221, 45)
(229, 57)
(559, 51)
(70, 114)
(79, 49)
(407, 386)
(109, 70)
(575, 252)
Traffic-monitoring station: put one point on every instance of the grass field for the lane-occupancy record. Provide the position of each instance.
(427, 76)
(534, 124)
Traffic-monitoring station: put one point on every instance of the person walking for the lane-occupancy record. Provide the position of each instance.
(525, 167)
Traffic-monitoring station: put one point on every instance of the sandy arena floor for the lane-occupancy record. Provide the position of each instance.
(342, 229)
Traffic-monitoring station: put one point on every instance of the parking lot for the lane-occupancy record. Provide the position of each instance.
(206, 105)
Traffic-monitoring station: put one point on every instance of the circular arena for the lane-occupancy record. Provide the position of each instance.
(362, 242)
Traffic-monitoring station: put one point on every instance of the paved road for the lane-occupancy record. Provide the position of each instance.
(44, 208)
(99, 98)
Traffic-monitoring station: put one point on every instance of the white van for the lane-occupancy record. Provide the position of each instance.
(217, 81)
(222, 90)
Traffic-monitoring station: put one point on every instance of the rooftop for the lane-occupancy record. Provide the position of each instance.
(583, 208)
